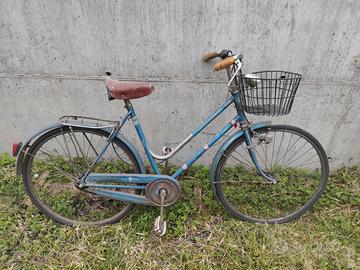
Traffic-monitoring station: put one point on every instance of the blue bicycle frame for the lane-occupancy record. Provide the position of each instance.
(240, 117)
(139, 181)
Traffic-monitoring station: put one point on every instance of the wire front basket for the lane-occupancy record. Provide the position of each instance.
(268, 92)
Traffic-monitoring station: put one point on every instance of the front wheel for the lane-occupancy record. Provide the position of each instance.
(290, 155)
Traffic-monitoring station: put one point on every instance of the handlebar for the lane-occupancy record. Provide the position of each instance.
(209, 56)
(227, 57)
(234, 59)
(225, 63)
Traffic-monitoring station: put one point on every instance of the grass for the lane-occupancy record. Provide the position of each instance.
(201, 234)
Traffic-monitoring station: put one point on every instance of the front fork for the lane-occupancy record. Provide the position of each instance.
(251, 149)
(249, 143)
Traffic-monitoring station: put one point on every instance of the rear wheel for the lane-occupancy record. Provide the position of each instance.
(58, 158)
(289, 154)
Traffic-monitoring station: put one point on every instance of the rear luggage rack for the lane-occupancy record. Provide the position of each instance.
(86, 122)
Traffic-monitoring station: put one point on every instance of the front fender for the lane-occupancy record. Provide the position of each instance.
(27, 144)
(222, 149)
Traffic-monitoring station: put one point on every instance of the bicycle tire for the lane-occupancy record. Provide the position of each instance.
(324, 173)
(43, 207)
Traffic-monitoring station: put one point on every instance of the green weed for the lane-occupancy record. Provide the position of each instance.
(201, 234)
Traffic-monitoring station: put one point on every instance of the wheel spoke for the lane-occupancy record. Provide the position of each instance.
(259, 156)
(282, 137)
(309, 163)
(55, 167)
(73, 143)
(272, 152)
(287, 150)
(235, 160)
(294, 154)
(118, 155)
(78, 144)
(90, 144)
(247, 161)
(300, 156)
(238, 160)
(265, 153)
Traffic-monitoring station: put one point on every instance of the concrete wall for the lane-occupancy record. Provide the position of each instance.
(53, 53)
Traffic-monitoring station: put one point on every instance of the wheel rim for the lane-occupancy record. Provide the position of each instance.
(294, 160)
(59, 160)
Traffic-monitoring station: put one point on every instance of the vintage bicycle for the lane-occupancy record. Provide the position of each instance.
(82, 170)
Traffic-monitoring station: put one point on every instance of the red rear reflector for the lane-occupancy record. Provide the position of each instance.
(15, 148)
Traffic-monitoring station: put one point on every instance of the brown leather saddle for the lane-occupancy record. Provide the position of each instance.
(128, 89)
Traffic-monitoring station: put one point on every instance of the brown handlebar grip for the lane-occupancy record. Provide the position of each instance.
(209, 55)
(224, 63)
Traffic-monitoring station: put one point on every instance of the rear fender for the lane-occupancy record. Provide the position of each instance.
(25, 147)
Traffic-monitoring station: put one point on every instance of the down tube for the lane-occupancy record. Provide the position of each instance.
(199, 153)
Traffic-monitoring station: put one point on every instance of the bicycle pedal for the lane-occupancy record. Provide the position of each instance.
(160, 226)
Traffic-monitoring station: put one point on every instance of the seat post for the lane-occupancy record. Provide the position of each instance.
(127, 103)
(128, 106)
